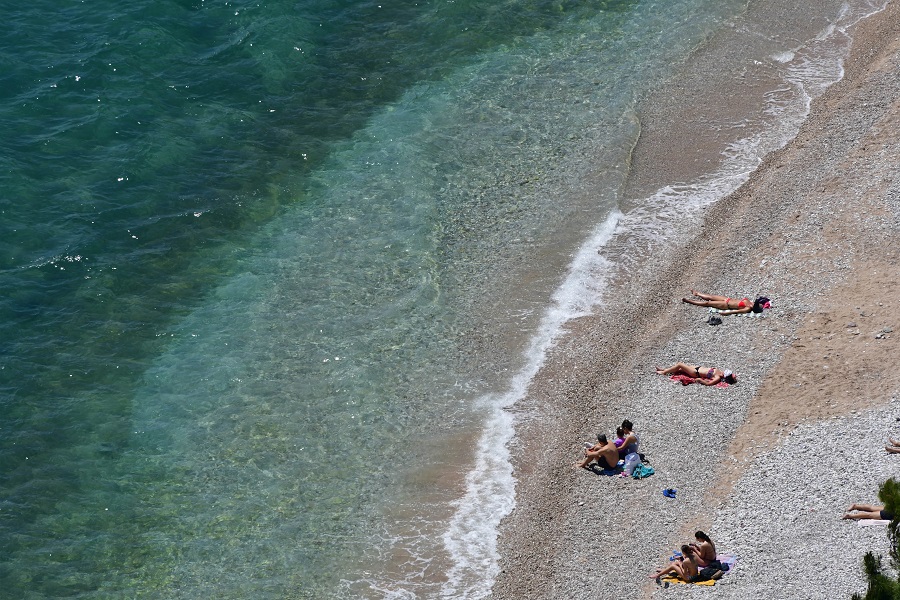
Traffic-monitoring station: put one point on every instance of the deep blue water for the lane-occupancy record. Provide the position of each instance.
(268, 270)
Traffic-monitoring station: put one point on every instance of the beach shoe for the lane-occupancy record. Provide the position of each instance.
(669, 493)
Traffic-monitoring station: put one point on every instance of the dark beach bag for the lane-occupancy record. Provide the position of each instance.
(711, 569)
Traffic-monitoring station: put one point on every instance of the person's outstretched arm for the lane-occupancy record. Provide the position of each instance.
(736, 311)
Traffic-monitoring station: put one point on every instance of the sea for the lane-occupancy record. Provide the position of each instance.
(275, 274)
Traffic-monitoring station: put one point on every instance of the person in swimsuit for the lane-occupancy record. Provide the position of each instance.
(867, 511)
(704, 548)
(630, 441)
(620, 437)
(685, 567)
(604, 452)
(702, 375)
(729, 306)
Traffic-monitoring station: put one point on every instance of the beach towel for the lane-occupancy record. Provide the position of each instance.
(872, 522)
(669, 579)
(620, 468)
(685, 380)
(752, 315)
(728, 560)
(641, 471)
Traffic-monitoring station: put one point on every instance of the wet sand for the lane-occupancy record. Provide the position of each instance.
(816, 230)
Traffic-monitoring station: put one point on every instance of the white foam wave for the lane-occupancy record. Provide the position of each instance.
(471, 538)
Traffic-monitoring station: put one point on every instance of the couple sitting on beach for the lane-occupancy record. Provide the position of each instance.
(698, 562)
(606, 453)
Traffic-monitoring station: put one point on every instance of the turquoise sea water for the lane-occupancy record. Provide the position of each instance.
(270, 272)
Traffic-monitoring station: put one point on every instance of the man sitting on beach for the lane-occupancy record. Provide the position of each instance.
(604, 452)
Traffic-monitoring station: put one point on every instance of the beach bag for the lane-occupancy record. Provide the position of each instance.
(711, 569)
(641, 470)
(714, 320)
(631, 461)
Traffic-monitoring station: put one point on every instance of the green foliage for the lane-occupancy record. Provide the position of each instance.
(889, 494)
(883, 585)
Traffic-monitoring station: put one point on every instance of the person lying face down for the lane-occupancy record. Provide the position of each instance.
(729, 306)
(702, 375)
(603, 452)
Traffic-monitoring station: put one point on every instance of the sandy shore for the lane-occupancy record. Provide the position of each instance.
(767, 466)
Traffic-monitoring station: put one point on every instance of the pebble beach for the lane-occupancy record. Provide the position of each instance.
(767, 466)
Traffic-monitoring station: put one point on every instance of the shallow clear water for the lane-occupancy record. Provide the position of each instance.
(271, 272)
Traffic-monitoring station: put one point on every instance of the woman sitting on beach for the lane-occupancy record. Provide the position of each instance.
(729, 306)
(705, 549)
(630, 440)
(685, 566)
(702, 375)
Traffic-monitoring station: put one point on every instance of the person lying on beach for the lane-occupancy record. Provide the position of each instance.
(704, 548)
(729, 306)
(702, 375)
(867, 511)
(604, 452)
(685, 566)
(893, 446)
(630, 441)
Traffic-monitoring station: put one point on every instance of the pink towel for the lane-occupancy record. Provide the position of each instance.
(685, 380)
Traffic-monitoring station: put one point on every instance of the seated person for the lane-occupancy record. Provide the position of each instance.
(604, 452)
(631, 441)
(620, 438)
(685, 567)
(704, 548)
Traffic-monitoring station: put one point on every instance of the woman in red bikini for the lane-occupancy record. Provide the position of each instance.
(729, 306)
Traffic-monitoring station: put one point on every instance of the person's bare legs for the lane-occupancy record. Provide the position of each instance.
(676, 369)
(661, 572)
(718, 304)
(892, 449)
(863, 511)
(709, 296)
(588, 457)
(679, 570)
(893, 442)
